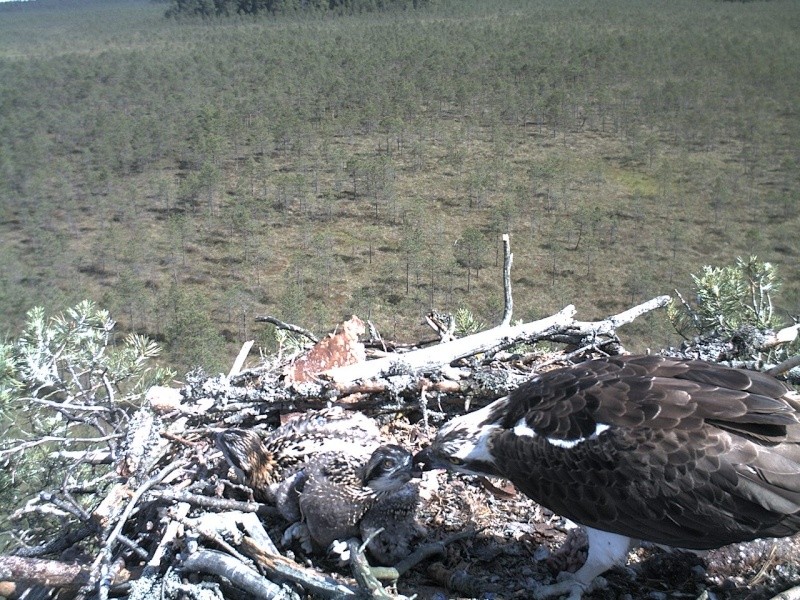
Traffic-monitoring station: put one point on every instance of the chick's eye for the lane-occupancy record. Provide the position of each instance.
(455, 460)
(389, 463)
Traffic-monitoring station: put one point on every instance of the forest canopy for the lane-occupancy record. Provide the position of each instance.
(191, 174)
(210, 8)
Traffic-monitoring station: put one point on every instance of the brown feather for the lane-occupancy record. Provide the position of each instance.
(694, 455)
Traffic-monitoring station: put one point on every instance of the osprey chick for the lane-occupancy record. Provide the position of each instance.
(327, 473)
(682, 453)
(271, 462)
(343, 497)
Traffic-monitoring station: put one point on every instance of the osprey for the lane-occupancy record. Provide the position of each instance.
(343, 496)
(681, 453)
(328, 475)
(270, 463)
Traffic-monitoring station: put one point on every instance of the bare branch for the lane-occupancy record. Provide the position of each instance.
(240, 358)
(558, 327)
(288, 327)
(509, 299)
(243, 577)
(104, 556)
(787, 365)
(363, 572)
(67, 405)
(443, 354)
(56, 439)
(221, 504)
(49, 573)
(89, 457)
(280, 566)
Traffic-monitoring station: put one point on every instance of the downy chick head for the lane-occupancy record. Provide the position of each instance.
(388, 469)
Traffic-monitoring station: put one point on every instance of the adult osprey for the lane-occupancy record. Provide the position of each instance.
(682, 453)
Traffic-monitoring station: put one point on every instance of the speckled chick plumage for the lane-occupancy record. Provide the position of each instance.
(268, 462)
(327, 472)
(344, 496)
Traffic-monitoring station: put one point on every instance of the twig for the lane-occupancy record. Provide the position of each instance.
(89, 457)
(444, 324)
(223, 565)
(221, 504)
(288, 327)
(65, 406)
(509, 300)
(363, 572)
(109, 390)
(104, 556)
(421, 554)
(66, 505)
(787, 365)
(59, 544)
(133, 546)
(213, 528)
(59, 439)
(766, 565)
(375, 336)
(280, 566)
(695, 317)
(427, 550)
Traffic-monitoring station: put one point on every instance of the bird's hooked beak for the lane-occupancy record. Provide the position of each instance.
(426, 460)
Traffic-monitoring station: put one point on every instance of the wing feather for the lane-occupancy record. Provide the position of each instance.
(694, 455)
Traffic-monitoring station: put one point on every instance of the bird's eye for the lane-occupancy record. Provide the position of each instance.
(389, 463)
(455, 460)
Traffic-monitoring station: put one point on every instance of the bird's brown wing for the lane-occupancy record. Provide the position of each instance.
(333, 500)
(676, 452)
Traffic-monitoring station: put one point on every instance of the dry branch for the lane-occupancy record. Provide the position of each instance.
(243, 577)
(221, 504)
(508, 298)
(240, 358)
(49, 573)
(288, 327)
(558, 327)
(443, 354)
(282, 567)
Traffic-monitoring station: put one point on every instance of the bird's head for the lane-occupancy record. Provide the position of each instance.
(464, 444)
(389, 468)
(243, 449)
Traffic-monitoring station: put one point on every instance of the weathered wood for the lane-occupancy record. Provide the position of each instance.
(243, 577)
(288, 327)
(560, 327)
(49, 573)
(240, 358)
(508, 260)
(279, 566)
(443, 354)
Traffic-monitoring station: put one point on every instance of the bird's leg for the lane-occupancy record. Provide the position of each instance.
(298, 532)
(605, 551)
